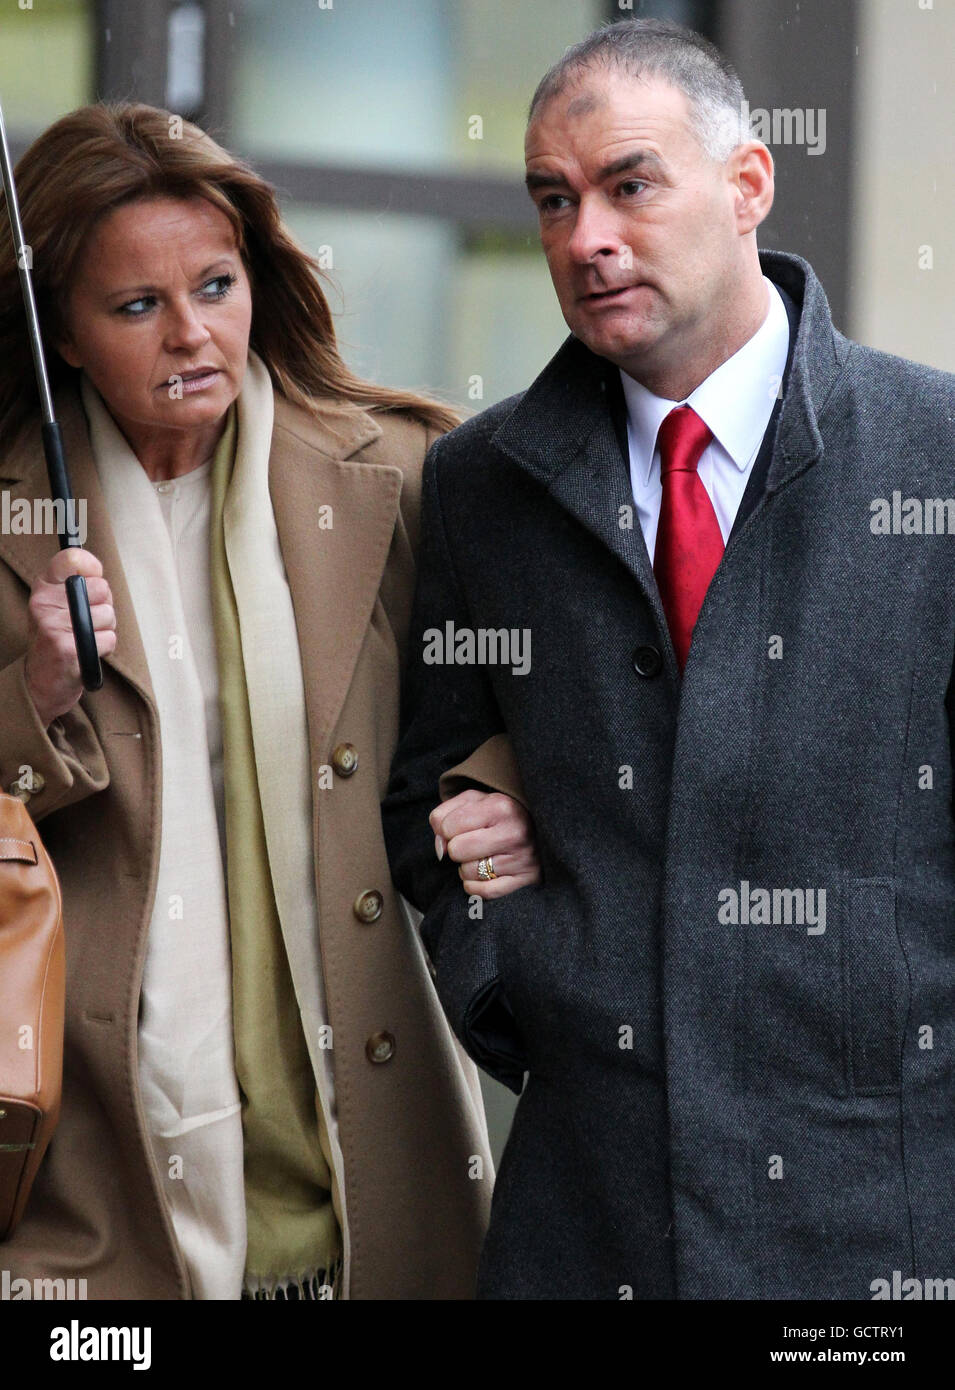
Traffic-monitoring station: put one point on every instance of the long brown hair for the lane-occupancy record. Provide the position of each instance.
(99, 157)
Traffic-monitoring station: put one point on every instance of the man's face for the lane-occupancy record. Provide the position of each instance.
(638, 224)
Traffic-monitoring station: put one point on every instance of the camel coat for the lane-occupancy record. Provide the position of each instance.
(409, 1112)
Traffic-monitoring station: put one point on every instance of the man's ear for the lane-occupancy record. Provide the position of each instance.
(751, 171)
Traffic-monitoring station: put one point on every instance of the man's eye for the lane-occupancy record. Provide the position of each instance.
(552, 202)
(632, 186)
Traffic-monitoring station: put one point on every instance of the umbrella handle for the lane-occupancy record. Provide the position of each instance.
(77, 596)
(91, 672)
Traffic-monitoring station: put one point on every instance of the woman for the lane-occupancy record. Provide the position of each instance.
(261, 1097)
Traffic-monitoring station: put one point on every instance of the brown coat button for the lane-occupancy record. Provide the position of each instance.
(367, 906)
(380, 1047)
(345, 759)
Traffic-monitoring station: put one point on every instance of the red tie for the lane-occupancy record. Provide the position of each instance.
(689, 540)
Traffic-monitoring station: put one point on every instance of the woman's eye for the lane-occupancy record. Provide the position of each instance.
(132, 311)
(216, 288)
(222, 285)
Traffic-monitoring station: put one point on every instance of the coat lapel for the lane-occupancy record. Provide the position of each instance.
(336, 518)
(562, 430)
(23, 474)
(562, 433)
(818, 356)
(333, 571)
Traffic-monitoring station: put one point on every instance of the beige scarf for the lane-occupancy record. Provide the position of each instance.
(293, 1232)
(203, 1023)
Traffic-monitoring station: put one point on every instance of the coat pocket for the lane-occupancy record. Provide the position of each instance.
(876, 987)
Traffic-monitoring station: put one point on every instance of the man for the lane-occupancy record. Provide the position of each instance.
(729, 1002)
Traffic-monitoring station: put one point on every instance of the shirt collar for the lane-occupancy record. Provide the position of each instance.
(735, 401)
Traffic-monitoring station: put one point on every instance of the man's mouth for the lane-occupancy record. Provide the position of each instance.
(607, 296)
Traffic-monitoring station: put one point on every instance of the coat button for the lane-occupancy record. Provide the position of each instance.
(345, 759)
(647, 661)
(380, 1047)
(27, 785)
(367, 906)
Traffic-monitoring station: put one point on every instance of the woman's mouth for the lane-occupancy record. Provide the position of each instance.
(199, 380)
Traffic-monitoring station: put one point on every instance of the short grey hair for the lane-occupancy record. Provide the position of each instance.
(659, 48)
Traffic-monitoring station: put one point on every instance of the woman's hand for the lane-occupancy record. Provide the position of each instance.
(477, 825)
(51, 668)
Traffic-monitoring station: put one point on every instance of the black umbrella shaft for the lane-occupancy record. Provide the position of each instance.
(60, 482)
(91, 672)
(22, 253)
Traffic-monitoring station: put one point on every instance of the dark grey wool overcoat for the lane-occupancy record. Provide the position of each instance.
(729, 1007)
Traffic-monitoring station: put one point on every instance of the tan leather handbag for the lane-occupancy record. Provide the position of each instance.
(32, 981)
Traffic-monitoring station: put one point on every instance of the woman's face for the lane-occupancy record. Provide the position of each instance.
(160, 312)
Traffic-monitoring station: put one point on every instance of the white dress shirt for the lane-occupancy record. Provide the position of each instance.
(735, 401)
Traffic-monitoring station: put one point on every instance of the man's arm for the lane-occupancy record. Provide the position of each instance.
(447, 712)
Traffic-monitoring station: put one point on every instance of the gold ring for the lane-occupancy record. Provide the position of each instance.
(486, 869)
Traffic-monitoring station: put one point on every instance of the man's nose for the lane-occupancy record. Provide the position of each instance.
(596, 231)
